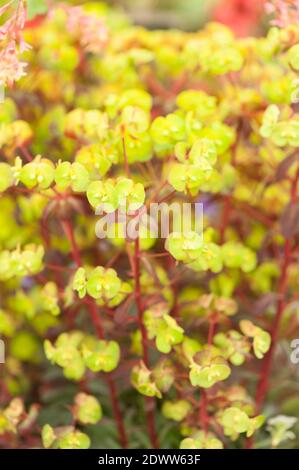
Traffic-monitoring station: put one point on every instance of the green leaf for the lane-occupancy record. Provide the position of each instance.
(270, 119)
(261, 343)
(201, 440)
(74, 440)
(206, 370)
(79, 282)
(36, 7)
(169, 333)
(5, 177)
(176, 410)
(87, 409)
(74, 175)
(234, 420)
(48, 436)
(143, 380)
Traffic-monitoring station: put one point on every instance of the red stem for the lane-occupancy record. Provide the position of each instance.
(267, 366)
(266, 369)
(95, 317)
(149, 401)
(26, 153)
(212, 329)
(69, 232)
(93, 310)
(263, 384)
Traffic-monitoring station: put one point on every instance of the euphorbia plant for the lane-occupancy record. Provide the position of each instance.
(132, 340)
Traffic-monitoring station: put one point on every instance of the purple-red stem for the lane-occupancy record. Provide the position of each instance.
(267, 366)
(263, 384)
(266, 369)
(94, 314)
(212, 328)
(140, 308)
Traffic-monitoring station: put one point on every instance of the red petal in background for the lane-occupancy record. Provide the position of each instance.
(35, 21)
(242, 16)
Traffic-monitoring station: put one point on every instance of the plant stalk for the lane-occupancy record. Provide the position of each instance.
(94, 314)
(149, 402)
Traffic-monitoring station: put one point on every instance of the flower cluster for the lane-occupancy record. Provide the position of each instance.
(101, 284)
(74, 352)
(191, 248)
(21, 262)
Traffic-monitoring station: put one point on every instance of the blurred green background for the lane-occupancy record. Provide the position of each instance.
(243, 16)
(182, 14)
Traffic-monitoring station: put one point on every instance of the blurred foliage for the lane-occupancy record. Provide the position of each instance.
(127, 118)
